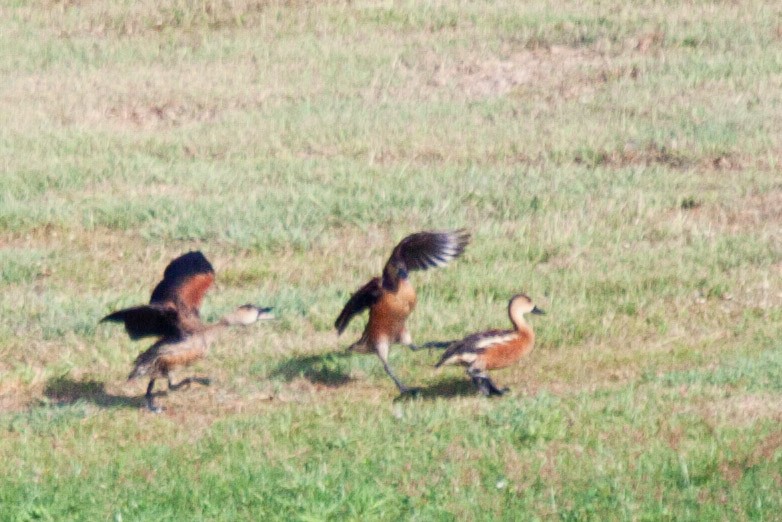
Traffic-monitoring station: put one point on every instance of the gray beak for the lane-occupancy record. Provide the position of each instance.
(265, 313)
(537, 311)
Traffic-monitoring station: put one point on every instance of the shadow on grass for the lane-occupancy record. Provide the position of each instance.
(447, 388)
(327, 369)
(64, 390)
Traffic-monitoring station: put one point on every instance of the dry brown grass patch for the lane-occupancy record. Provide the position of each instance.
(751, 214)
(646, 42)
(139, 18)
(632, 155)
(743, 410)
(165, 114)
(154, 97)
(766, 451)
(15, 398)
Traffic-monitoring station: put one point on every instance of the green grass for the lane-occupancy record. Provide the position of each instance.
(619, 163)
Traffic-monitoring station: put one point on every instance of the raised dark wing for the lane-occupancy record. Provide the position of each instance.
(429, 249)
(147, 321)
(362, 299)
(475, 343)
(185, 281)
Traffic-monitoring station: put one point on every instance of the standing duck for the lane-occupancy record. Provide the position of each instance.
(172, 315)
(494, 349)
(391, 298)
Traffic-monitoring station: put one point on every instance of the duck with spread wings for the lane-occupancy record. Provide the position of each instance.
(391, 298)
(172, 316)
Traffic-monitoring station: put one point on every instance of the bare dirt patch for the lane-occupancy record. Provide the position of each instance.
(565, 72)
(169, 113)
(754, 211)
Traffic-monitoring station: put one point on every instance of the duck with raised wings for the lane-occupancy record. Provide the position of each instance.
(173, 316)
(391, 298)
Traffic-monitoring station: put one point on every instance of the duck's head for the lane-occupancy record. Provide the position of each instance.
(519, 305)
(248, 314)
(392, 274)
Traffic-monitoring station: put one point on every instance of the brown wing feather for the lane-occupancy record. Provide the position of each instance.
(185, 281)
(362, 299)
(425, 250)
(192, 291)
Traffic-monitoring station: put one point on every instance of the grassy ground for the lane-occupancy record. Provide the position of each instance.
(619, 162)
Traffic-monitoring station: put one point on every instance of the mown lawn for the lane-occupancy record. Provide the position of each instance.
(618, 162)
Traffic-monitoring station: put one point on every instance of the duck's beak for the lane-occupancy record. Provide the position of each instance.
(537, 311)
(265, 313)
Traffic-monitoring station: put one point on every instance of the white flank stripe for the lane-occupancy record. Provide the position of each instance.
(490, 341)
(466, 358)
(469, 357)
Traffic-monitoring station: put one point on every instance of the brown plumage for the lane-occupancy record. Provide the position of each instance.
(494, 349)
(173, 316)
(391, 298)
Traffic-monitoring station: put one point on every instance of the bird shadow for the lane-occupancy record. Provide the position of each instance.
(446, 388)
(64, 390)
(326, 369)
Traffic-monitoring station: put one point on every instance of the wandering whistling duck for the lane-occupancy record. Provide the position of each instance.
(172, 315)
(494, 349)
(391, 298)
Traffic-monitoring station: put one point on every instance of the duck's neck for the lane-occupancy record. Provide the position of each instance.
(390, 282)
(211, 331)
(520, 325)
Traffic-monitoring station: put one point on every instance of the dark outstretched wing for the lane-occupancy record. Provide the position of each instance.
(474, 343)
(429, 249)
(147, 321)
(362, 299)
(185, 281)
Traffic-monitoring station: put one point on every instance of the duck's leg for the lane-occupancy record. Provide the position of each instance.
(407, 339)
(480, 383)
(484, 383)
(187, 381)
(150, 399)
(361, 346)
(493, 390)
(439, 345)
(176, 386)
(382, 352)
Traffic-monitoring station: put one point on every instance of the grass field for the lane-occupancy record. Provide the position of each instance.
(617, 161)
